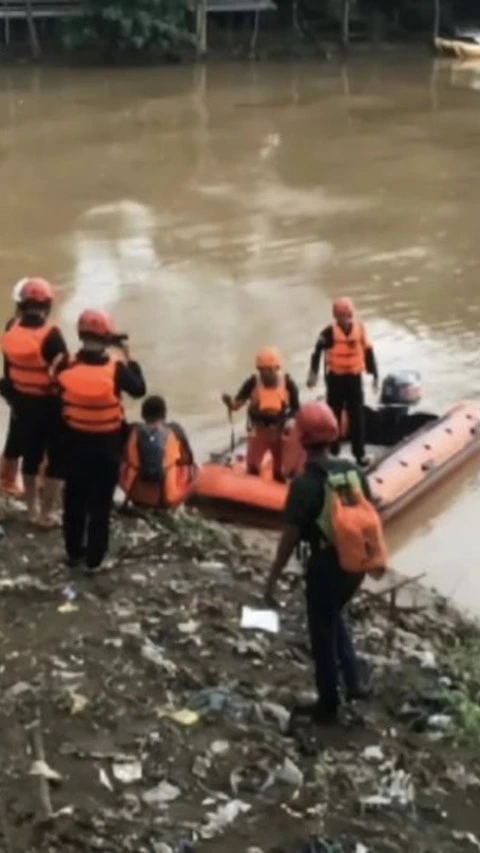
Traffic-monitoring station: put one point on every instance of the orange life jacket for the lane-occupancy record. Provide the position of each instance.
(27, 368)
(88, 397)
(269, 403)
(347, 355)
(351, 523)
(172, 485)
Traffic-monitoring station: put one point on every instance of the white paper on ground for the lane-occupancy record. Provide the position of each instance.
(261, 620)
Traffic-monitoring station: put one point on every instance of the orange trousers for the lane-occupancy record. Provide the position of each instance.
(288, 457)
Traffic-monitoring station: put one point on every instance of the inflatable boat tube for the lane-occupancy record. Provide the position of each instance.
(426, 449)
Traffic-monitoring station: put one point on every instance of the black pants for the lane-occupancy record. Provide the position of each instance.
(88, 498)
(346, 392)
(13, 447)
(34, 433)
(328, 589)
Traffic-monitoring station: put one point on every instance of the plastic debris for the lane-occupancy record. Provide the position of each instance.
(396, 788)
(189, 627)
(127, 772)
(185, 717)
(441, 722)
(22, 582)
(260, 620)
(79, 703)
(105, 781)
(69, 593)
(161, 795)
(278, 712)
(155, 655)
(68, 607)
(467, 836)
(373, 753)
(219, 747)
(290, 774)
(223, 817)
(41, 768)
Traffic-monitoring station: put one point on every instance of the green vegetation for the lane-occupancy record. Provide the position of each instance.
(126, 27)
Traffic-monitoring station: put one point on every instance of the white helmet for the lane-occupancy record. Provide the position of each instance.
(17, 291)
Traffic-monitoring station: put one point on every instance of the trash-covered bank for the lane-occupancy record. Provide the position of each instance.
(139, 715)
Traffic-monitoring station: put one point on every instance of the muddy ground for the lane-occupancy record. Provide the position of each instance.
(105, 664)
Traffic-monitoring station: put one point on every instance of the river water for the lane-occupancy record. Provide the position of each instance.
(216, 210)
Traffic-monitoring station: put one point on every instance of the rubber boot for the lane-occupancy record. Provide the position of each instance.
(50, 503)
(8, 478)
(31, 497)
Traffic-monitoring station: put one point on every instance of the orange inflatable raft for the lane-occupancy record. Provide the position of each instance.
(418, 451)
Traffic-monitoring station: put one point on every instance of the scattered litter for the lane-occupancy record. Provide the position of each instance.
(41, 768)
(223, 817)
(260, 620)
(396, 788)
(426, 658)
(69, 593)
(373, 753)
(155, 655)
(22, 582)
(440, 722)
(79, 703)
(127, 772)
(467, 836)
(105, 781)
(162, 794)
(278, 712)
(219, 747)
(212, 565)
(290, 774)
(68, 607)
(132, 629)
(189, 627)
(17, 689)
(185, 717)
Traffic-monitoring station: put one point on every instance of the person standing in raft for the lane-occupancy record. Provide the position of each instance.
(272, 398)
(12, 451)
(329, 508)
(30, 346)
(348, 354)
(90, 388)
(157, 465)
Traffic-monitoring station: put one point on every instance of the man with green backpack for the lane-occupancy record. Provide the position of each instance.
(329, 507)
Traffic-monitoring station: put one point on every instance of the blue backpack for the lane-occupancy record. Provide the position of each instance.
(151, 446)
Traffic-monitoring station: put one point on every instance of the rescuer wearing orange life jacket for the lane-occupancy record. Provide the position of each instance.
(90, 388)
(157, 465)
(12, 451)
(30, 345)
(272, 399)
(348, 354)
(329, 508)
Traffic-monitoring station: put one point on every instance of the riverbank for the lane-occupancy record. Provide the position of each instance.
(163, 722)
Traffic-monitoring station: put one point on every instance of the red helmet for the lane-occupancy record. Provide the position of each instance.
(95, 323)
(343, 308)
(36, 290)
(316, 424)
(268, 357)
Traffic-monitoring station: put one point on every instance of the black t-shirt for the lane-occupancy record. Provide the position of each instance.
(307, 493)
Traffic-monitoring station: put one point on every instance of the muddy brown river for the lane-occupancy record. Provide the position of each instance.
(215, 210)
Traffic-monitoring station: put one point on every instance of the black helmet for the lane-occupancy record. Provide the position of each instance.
(401, 389)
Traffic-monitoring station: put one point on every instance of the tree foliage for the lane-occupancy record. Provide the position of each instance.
(127, 27)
